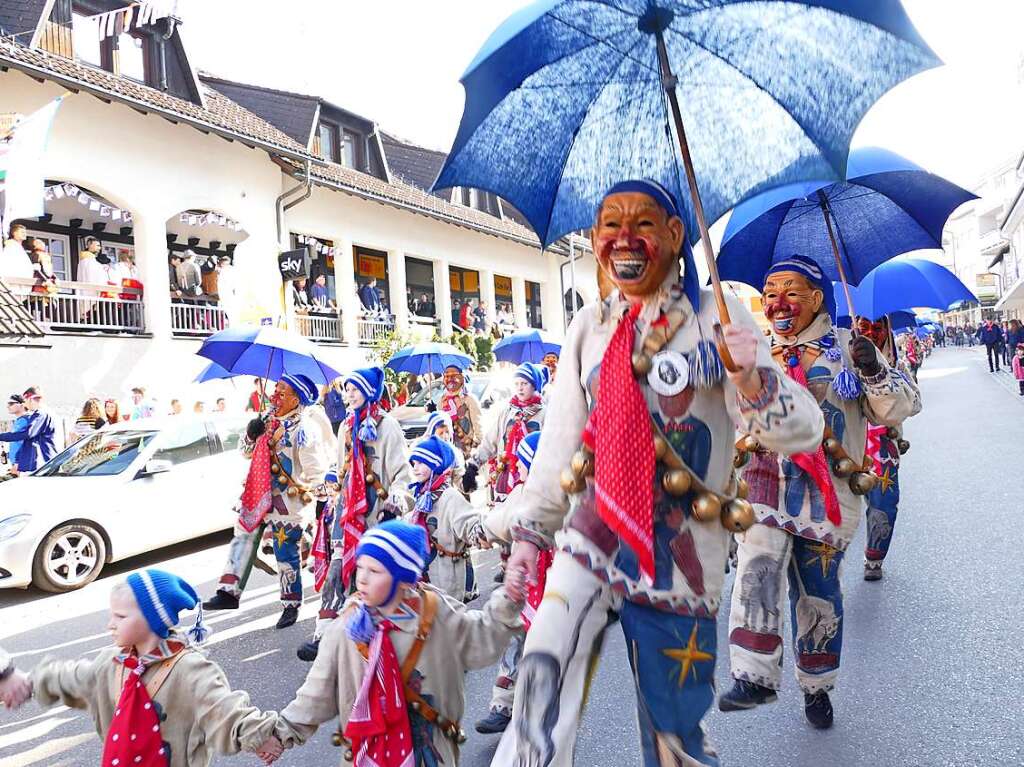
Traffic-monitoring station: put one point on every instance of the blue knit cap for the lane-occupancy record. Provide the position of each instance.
(400, 547)
(437, 419)
(435, 453)
(370, 381)
(528, 448)
(531, 373)
(303, 387)
(814, 274)
(664, 198)
(161, 596)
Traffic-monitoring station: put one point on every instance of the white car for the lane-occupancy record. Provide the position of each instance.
(127, 489)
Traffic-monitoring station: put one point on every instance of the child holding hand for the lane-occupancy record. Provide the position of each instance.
(154, 698)
(394, 667)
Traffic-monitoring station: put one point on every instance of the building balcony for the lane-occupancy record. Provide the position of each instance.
(196, 318)
(76, 307)
(371, 330)
(323, 327)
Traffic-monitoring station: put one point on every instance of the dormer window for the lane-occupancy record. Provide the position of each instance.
(328, 135)
(123, 53)
(351, 156)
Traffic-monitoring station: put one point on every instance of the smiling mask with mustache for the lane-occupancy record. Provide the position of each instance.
(637, 243)
(791, 302)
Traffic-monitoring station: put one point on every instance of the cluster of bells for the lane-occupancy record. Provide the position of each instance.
(291, 489)
(736, 515)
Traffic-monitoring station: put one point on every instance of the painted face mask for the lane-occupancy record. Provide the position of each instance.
(454, 380)
(877, 331)
(636, 242)
(791, 302)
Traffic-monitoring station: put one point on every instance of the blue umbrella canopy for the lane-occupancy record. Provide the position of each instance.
(886, 207)
(213, 372)
(428, 358)
(908, 282)
(525, 346)
(266, 352)
(566, 98)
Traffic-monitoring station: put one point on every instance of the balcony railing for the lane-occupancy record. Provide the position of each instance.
(372, 330)
(196, 318)
(67, 306)
(319, 327)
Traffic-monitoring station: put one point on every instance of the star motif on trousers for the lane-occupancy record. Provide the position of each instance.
(688, 656)
(282, 536)
(824, 555)
(885, 480)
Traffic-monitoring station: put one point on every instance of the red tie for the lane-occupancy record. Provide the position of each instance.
(624, 450)
(815, 464)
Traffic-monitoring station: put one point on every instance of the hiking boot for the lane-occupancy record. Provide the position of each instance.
(745, 695)
(308, 650)
(493, 723)
(818, 710)
(288, 617)
(222, 600)
(499, 576)
(872, 573)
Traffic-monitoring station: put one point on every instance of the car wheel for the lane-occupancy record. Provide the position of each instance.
(70, 557)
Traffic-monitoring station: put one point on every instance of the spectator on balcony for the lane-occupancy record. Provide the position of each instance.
(369, 297)
(45, 278)
(190, 278)
(91, 272)
(173, 267)
(112, 411)
(456, 312)
(480, 318)
(14, 260)
(300, 298)
(319, 296)
(505, 318)
(91, 419)
(426, 307)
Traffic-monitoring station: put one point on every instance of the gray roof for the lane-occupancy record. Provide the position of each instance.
(413, 164)
(16, 324)
(20, 16)
(292, 113)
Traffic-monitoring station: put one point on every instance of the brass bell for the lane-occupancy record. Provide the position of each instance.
(642, 364)
(660, 447)
(275, 468)
(582, 464)
(461, 737)
(750, 444)
(844, 467)
(742, 487)
(738, 516)
(349, 756)
(381, 492)
(741, 459)
(571, 484)
(307, 497)
(415, 705)
(832, 445)
(337, 739)
(706, 507)
(862, 483)
(293, 491)
(371, 478)
(676, 481)
(903, 446)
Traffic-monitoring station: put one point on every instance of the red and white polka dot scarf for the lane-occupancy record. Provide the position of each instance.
(134, 739)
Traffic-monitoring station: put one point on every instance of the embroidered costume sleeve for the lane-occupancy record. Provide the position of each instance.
(890, 397)
(313, 453)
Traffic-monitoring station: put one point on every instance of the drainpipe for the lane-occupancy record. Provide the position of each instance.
(172, 22)
(281, 207)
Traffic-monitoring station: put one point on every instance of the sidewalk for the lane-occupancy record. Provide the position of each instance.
(1004, 377)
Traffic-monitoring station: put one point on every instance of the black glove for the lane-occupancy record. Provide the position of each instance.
(865, 356)
(431, 407)
(255, 429)
(469, 484)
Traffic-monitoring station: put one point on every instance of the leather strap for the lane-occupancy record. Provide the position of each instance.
(156, 681)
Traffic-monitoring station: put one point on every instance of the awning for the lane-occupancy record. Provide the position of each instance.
(1014, 297)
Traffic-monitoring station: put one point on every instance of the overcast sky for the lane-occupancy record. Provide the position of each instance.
(398, 62)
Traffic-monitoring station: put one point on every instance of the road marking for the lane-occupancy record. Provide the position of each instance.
(259, 655)
(44, 715)
(46, 750)
(37, 730)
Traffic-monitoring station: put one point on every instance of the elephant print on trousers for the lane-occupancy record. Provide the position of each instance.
(760, 594)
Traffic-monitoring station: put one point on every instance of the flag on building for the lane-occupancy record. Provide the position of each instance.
(21, 164)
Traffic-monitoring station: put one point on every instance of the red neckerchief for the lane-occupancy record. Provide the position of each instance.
(535, 592)
(620, 426)
(874, 445)
(378, 726)
(256, 497)
(450, 402)
(426, 495)
(523, 409)
(815, 464)
(354, 520)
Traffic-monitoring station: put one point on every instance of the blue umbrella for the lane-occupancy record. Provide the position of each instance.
(568, 97)
(907, 282)
(428, 358)
(888, 206)
(213, 372)
(266, 352)
(902, 319)
(525, 346)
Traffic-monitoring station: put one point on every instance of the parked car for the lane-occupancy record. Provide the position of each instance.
(130, 488)
(491, 389)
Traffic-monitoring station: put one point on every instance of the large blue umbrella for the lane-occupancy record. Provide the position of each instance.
(906, 282)
(213, 372)
(428, 358)
(525, 346)
(266, 352)
(568, 97)
(888, 206)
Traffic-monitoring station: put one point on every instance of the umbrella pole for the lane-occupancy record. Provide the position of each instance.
(668, 80)
(823, 201)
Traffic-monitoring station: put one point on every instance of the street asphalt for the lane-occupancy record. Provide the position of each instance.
(933, 661)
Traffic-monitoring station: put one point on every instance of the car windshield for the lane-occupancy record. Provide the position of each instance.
(105, 453)
(476, 386)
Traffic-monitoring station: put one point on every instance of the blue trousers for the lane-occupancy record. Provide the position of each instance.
(285, 537)
(883, 505)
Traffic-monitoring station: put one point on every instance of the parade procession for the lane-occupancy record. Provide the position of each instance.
(667, 418)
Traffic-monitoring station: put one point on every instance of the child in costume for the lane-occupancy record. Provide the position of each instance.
(156, 699)
(394, 669)
(808, 505)
(1018, 368)
(523, 414)
(374, 478)
(450, 521)
(885, 446)
(439, 424)
(290, 452)
(497, 524)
